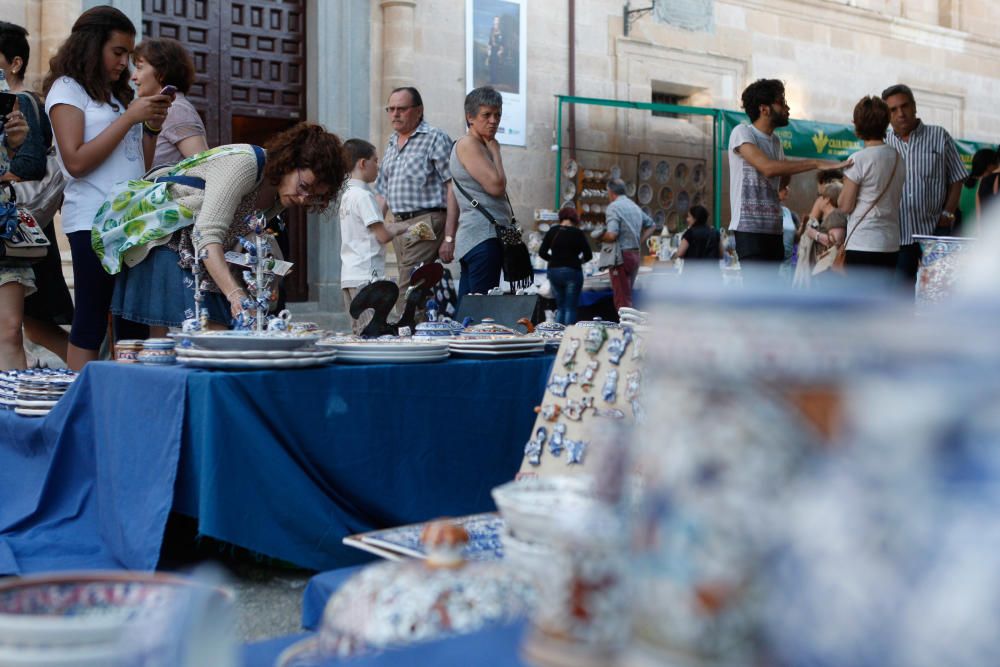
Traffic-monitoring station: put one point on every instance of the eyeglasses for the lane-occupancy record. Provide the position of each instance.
(399, 109)
(308, 198)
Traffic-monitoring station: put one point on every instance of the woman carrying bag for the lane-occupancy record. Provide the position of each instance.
(873, 187)
(485, 237)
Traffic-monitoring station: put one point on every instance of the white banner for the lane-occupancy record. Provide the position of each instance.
(496, 48)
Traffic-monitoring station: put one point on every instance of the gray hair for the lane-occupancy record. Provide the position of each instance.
(482, 97)
(617, 186)
(898, 89)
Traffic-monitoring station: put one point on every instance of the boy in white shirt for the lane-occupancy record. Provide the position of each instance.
(363, 230)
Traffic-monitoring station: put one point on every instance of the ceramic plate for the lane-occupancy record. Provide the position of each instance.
(32, 412)
(288, 362)
(484, 538)
(666, 197)
(497, 353)
(616, 171)
(645, 170)
(681, 173)
(376, 358)
(645, 194)
(534, 341)
(683, 201)
(488, 341)
(662, 171)
(391, 347)
(698, 174)
(233, 340)
(194, 352)
(630, 189)
(571, 168)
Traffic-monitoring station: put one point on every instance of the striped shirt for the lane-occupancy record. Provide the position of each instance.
(932, 165)
(413, 177)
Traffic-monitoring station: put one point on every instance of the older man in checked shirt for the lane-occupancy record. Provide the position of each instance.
(934, 176)
(415, 180)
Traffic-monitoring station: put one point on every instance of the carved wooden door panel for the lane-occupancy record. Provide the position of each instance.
(195, 24)
(250, 84)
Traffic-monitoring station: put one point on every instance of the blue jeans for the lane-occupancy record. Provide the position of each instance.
(481, 268)
(566, 284)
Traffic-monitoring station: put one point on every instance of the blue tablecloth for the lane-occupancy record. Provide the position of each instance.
(318, 592)
(285, 463)
(492, 647)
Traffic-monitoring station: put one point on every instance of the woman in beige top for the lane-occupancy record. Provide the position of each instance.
(303, 166)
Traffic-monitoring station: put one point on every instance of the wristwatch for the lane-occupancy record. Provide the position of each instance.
(948, 215)
(449, 239)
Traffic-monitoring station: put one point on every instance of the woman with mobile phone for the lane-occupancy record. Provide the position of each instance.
(104, 135)
(164, 66)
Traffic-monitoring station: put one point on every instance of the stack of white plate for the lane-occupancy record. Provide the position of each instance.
(387, 351)
(33, 393)
(248, 350)
(498, 346)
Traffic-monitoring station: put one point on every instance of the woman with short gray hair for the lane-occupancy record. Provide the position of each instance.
(478, 175)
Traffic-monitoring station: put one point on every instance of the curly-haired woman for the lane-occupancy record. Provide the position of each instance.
(199, 208)
(104, 134)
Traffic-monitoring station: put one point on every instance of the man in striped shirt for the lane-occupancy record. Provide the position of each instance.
(414, 179)
(934, 176)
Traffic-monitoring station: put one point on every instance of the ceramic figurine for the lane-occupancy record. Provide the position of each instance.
(632, 382)
(575, 409)
(533, 450)
(556, 442)
(569, 354)
(638, 412)
(588, 374)
(610, 390)
(549, 412)
(595, 339)
(609, 413)
(636, 347)
(616, 348)
(575, 451)
(560, 383)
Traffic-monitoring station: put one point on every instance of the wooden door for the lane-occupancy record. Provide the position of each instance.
(250, 83)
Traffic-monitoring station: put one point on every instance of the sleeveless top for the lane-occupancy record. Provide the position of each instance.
(473, 227)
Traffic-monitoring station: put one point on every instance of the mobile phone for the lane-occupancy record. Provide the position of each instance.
(7, 101)
(169, 90)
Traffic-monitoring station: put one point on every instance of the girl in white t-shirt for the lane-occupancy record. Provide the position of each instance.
(103, 136)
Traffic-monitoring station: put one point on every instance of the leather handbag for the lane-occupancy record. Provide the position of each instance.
(517, 269)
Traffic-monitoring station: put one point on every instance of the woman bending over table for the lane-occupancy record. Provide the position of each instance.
(149, 232)
(104, 134)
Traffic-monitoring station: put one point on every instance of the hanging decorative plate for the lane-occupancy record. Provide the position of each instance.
(630, 188)
(645, 194)
(571, 169)
(616, 171)
(569, 190)
(683, 201)
(660, 218)
(698, 174)
(681, 173)
(662, 171)
(645, 170)
(666, 197)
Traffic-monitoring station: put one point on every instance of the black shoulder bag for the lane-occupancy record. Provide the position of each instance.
(516, 258)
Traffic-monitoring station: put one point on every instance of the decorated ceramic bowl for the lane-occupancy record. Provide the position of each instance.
(489, 327)
(433, 329)
(940, 259)
(91, 612)
(390, 605)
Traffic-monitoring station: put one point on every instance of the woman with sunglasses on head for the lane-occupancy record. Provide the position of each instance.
(104, 134)
(165, 62)
(149, 232)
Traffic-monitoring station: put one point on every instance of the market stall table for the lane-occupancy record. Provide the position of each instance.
(285, 463)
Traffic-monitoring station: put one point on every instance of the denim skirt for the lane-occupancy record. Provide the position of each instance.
(157, 291)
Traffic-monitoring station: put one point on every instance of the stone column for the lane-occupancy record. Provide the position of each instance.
(398, 56)
(338, 51)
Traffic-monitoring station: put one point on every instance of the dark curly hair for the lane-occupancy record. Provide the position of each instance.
(308, 146)
(81, 56)
(871, 118)
(170, 59)
(14, 44)
(761, 92)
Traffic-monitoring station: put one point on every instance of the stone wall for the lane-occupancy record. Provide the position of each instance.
(829, 52)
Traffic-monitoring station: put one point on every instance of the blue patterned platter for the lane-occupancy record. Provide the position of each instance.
(401, 542)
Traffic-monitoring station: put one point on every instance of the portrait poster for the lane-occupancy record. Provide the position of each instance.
(495, 55)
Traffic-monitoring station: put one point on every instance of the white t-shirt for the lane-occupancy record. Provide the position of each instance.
(748, 194)
(83, 196)
(871, 170)
(361, 255)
